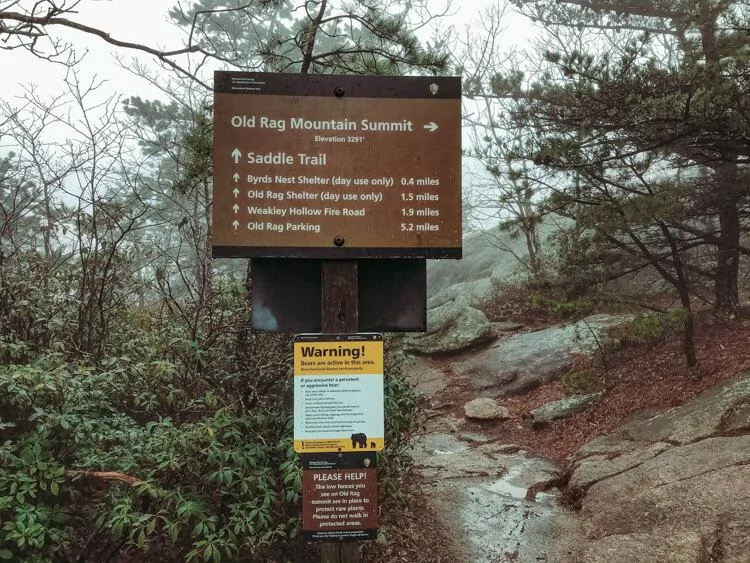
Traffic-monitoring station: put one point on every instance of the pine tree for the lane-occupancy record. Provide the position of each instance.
(640, 113)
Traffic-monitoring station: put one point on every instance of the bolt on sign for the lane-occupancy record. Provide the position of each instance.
(340, 497)
(312, 166)
(338, 393)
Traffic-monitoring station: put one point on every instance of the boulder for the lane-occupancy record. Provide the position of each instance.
(452, 327)
(504, 326)
(481, 256)
(426, 378)
(630, 548)
(491, 253)
(474, 438)
(459, 291)
(563, 408)
(501, 448)
(600, 467)
(691, 486)
(523, 361)
(485, 408)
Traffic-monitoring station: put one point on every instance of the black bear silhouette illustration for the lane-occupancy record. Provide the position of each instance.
(359, 439)
(372, 445)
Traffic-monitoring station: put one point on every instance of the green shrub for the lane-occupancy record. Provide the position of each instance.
(513, 302)
(219, 483)
(650, 328)
(404, 421)
(528, 302)
(579, 382)
(174, 446)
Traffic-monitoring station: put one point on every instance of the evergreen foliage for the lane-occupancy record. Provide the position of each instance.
(326, 37)
(637, 114)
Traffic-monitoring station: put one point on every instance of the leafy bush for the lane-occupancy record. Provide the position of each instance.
(175, 445)
(37, 304)
(404, 421)
(86, 456)
(560, 308)
(528, 302)
(578, 382)
(650, 328)
(512, 302)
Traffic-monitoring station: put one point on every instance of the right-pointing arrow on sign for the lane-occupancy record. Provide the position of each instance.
(431, 126)
(236, 154)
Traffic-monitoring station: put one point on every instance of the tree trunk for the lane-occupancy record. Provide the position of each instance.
(688, 338)
(681, 281)
(726, 289)
(688, 332)
(533, 247)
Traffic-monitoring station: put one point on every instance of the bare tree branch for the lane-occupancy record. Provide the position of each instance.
(36, 26)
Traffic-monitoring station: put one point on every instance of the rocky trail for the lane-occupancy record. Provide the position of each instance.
(656, 468)
(486, 490)
(524, 460)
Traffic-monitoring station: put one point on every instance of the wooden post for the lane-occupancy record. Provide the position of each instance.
(339, 303)
(339, 296)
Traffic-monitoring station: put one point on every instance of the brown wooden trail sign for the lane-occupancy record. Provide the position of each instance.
(336, 166)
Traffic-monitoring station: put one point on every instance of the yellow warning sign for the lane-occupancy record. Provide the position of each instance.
(338, 393)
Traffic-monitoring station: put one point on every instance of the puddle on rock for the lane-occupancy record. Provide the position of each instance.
(494, 519)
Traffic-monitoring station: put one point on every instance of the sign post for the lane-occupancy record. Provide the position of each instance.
(339, 315)
(338, 169)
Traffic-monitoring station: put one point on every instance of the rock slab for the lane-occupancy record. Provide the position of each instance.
(684, 475)
(451, 327)
(563, 408)
(524, 361)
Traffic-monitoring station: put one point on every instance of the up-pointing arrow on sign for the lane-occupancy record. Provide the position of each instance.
(236, 154)
(236, 224)
(236, 176)
(236, 208)
(431, 126)
(235, 192)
